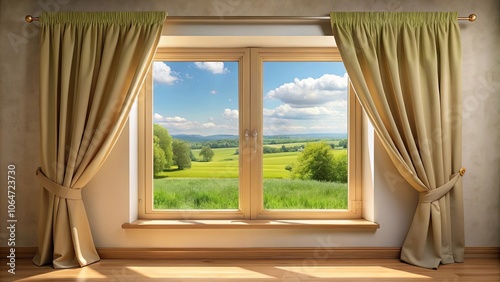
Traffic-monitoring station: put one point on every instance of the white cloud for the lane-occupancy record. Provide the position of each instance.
(162, 73)
(332, 110)
(175, 119)
(178, 125)
(213, 67)
(157, 117)
(230, 114)
(213, 92)
(279, 126)
(310, 92)
(287, 111)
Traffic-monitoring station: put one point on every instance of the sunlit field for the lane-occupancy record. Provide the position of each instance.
(222, 193)
(214, 185)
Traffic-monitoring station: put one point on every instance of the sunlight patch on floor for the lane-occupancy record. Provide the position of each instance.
(74, 273)
(351, 272)
(197, 272)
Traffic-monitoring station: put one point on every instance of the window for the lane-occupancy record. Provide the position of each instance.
(253, 133)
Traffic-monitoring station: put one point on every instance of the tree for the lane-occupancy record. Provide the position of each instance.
(340, 164)
(191, 156)
(159, 161)
(207, 153)
(315, 163)
(165, 143)
(180, 150)
(270, 150)
(343, 143)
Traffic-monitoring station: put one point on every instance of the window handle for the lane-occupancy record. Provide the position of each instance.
(254, 134)
(247, 136)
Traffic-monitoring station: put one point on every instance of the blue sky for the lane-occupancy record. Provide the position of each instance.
(202, 97)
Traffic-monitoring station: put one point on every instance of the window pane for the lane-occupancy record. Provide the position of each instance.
(195, 146)
(305, 135)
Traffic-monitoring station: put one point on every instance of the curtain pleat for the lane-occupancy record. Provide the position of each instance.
(91, 67)
(406, 71)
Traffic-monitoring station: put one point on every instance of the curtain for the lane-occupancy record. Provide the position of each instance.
(406, 71)
(91, 68)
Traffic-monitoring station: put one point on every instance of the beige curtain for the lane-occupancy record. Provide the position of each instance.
(91, 67)
(406, 72)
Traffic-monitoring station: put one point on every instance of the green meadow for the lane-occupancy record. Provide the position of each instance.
(214, 185)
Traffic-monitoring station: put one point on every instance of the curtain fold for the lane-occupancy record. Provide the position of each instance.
(406, 71)
(92, 65)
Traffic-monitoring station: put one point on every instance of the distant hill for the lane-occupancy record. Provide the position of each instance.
(310, 135)
(194, 138)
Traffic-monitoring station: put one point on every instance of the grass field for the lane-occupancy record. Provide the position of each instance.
(214, 185)
(199, 193)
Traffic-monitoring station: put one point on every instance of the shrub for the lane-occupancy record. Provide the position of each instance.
(315, 163)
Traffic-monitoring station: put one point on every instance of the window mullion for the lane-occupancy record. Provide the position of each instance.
(257, 193)
(244, 126)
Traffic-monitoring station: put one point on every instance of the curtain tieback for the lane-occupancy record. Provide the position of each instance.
(56, 189)
(436, 194)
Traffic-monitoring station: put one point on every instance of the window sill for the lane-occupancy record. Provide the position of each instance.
(347, 224)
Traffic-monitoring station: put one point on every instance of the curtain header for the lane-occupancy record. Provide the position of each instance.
(102, 17)
(411, 18)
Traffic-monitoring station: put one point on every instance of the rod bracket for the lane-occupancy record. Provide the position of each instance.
(30, 19)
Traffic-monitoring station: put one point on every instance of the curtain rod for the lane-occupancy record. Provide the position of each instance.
(250, 19)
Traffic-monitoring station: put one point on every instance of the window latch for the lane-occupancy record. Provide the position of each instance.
(247, 136)
(254, 134)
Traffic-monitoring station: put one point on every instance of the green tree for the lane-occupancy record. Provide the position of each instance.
(181, 152)
(165, 143)
(340, 165)
(343, 143)
(270, 150)
(207, 153)
(159, 161)
(191, 156)
(315, 163)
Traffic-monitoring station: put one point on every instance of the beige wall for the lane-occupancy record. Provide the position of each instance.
(107, 196)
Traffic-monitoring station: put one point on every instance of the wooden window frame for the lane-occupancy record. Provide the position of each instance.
(250, 64)
(146, 211)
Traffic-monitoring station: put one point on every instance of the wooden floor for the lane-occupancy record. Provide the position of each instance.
(256, 270)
